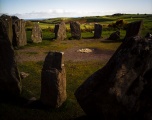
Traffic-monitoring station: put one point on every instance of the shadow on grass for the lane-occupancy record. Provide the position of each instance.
(112, 41)
(24, 102)
(87, 118)
(37, 104)
(87, 37)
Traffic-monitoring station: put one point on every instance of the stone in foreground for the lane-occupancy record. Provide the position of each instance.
(122, 89)
(53, 80)
(7, 21)
(10, 82)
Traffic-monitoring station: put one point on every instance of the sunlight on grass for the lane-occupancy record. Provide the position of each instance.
(76, 72)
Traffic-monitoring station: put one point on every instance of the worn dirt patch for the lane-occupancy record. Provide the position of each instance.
(70, 54)
(96, 54)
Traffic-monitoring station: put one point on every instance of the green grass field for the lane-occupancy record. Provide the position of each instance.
(76, 72)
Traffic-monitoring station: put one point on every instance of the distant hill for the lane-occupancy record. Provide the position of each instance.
(88, 19)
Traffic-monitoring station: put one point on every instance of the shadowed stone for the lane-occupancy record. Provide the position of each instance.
(7, 21)
(10, 84)
(53, 80)
(36, 33)
(19, 33)
(60, 31)
(114, 36)
(97, 30)
(121, 90)
(75, 30)
(134, 29)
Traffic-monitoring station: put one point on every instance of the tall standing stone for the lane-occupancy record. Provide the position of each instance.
(10, 83)
(19, 33)
(122, 89)
(134, 29)
(53, 80)
(75, 30)
(7, 21)
(60, 31)
(36, 35)
(97, 30)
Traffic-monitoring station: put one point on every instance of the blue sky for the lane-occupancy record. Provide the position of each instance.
(72, 8)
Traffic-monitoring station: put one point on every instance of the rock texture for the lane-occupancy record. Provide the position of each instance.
(60, 31)
(75, 30)
(134, 29)
(114, 36)
(7, 21)
(19, 33)
(53, 81)
(36, 35)
(122, 89)
(97, 30)
(10, 83)
(148, 35)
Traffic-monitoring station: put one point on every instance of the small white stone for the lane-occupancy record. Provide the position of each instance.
(62, 53)
(84, 50)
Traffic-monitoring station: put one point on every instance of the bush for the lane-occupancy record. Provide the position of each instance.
(49, 29)
(29, 24)
(119, 24)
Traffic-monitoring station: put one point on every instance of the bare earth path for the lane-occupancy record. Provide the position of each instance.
(70, 54)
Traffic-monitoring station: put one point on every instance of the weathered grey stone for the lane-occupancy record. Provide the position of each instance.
(75, 30)
(19, 33)
(60, 31)
(7, 21)
(53, 80)
(36, 35)
(122, 89)
(134, 29)
(10, 83)
(97, 30)
(114, 36)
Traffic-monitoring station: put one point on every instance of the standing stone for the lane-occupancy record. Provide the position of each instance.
(7, 21)
(97, 30)
(60, 31)
(114, 36)
(36, 33)
(75, 30)
(10, 84)
(53, 80)
(122, 89)
(14, 19)
(134, 29)
(19, 33)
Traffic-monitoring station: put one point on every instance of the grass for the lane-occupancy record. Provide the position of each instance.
(87, 25)
(76, 72)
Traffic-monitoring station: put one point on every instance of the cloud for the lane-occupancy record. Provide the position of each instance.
(53, 13)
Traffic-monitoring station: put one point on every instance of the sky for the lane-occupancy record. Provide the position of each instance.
(32, 9)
